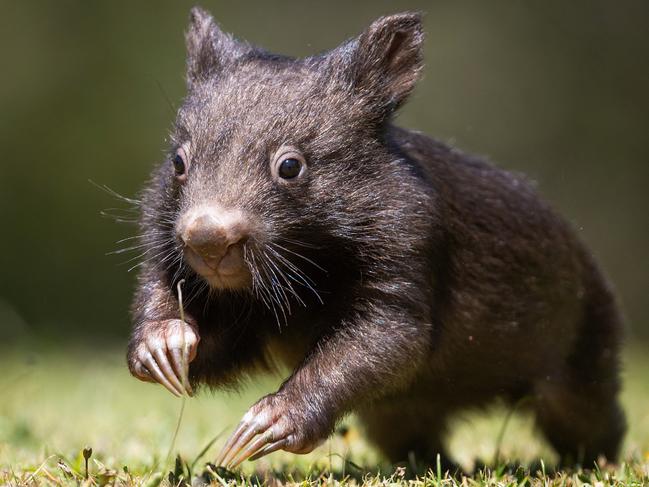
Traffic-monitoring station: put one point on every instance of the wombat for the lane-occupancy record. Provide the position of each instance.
(396, 277)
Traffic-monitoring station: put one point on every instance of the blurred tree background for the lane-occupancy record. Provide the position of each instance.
(558, 90)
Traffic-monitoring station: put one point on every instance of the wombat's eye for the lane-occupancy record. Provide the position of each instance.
(179, 161)
(288, 163)
(289, 168)
(179, 164)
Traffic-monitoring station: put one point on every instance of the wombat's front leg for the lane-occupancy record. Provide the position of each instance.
(375, 352)
(162, 345)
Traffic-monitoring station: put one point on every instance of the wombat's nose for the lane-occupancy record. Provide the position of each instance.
(212, 234)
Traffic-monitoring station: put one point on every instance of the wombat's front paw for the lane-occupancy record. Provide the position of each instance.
(164, 354)
(273, 423)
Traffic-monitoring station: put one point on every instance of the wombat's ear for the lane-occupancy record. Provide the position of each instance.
(209, 49)
(386, 59)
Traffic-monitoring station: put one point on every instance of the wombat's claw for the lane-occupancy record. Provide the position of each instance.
(265, 428)
(241, 446)
(164, 357)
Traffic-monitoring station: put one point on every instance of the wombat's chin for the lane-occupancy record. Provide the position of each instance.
(242, 279)
(239, 281)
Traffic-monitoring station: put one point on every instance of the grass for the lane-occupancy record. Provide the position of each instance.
(56, 403)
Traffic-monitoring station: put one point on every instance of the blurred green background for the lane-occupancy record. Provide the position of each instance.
(556, 89)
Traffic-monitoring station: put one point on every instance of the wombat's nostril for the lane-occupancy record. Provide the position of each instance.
(210, 234)
(202, 235)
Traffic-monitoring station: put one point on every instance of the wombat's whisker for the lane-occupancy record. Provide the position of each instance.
(276, 300)
(151, 244)
(143, 254)
(170, 259)
(121, 215)
(115, 194)
(134, 211)
(287, 279)
(138, 257)
(292, 266)
(197, 292)
(299, 243)
(120, 218)
(258, 286)
(300, 256)
(159, 255)
(181, 268)
(284, 278)
(275, 282)
(142, 236)
(299, 276)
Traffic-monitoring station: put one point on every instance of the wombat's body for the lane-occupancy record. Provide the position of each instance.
(396, 277)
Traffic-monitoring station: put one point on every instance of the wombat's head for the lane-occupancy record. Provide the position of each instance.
(272, 154)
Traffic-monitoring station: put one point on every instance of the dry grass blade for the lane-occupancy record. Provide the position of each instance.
(184, 379)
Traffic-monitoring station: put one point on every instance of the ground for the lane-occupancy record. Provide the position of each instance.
(56, 403)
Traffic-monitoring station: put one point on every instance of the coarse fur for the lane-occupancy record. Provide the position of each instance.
(401, 279)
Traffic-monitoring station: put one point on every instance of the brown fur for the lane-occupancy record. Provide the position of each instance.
(439, 281)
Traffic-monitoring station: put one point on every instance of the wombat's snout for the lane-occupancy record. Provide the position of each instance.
(213, 241)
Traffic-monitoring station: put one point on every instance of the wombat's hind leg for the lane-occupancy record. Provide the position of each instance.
(577, 407)
(404, 431)
(581, 420)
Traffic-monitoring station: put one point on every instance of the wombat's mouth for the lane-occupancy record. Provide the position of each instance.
(213, 240)
(228, 272)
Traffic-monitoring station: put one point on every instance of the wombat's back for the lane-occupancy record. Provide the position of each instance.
(516, 292)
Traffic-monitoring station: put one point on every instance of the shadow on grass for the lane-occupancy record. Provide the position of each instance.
(512, 473)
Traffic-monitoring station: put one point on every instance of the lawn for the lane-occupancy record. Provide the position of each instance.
(54, 403)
